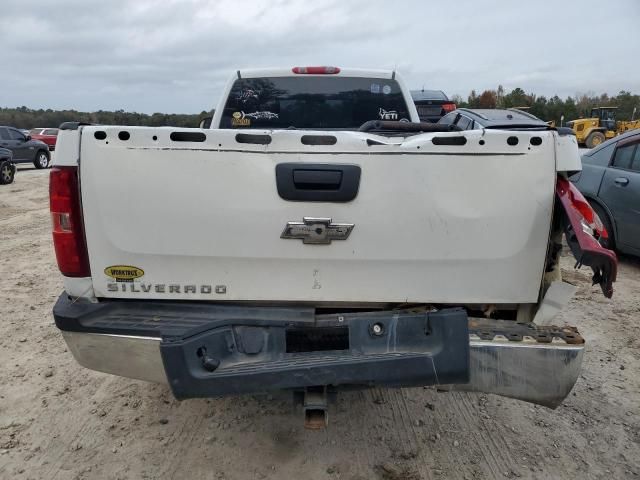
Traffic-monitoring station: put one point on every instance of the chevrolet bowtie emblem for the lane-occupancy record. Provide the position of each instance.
(318, 231)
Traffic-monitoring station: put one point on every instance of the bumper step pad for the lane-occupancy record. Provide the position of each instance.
(391, 349)
(487, 329)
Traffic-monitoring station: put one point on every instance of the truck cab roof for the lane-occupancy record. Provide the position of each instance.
(336, 71)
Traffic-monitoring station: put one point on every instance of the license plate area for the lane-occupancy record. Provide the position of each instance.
(431, 111)
(316, 339)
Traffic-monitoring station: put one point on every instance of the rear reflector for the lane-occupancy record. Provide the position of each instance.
(67, 225)
(449, 107)
(316, 70)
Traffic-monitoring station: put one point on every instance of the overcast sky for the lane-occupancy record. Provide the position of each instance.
(175, 55)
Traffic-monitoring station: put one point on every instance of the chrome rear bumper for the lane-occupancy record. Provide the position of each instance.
(540, 373)
(126, 356)
(534, 372)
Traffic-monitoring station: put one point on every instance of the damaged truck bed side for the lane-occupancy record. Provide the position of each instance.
(319, 236)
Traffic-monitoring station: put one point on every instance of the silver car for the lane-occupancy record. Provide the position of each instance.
(610, 181)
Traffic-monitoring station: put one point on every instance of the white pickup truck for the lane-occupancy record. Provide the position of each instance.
(319, 236)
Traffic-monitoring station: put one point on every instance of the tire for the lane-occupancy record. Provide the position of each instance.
(7, 172)
(42, 159)
(610, 242)
(594, 139)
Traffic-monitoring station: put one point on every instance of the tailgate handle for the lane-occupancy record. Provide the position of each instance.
(306, 179)
(317, 182)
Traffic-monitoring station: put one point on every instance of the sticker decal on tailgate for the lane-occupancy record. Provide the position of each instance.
(123, 273)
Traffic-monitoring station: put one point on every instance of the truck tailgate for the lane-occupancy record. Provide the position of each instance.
(196, 214)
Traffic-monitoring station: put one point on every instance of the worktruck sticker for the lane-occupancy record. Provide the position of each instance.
(123, 273)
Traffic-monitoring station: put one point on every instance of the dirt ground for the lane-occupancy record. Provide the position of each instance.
(60, 421)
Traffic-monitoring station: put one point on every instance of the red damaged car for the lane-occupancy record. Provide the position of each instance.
(46, 135)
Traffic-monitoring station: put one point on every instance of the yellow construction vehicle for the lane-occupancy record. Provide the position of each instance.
(632, 124)
(600, 126)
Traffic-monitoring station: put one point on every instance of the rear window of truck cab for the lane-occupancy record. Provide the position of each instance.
(312, 102)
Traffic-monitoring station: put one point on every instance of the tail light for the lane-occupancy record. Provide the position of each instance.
(67, 225)
(316, 70)
(583, 228)
(449, 107)
(590, 220)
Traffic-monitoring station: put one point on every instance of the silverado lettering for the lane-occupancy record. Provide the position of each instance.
(160, 288)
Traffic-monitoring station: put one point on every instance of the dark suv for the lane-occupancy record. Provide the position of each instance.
(431, 104)
(24, 148)
(7, 168)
